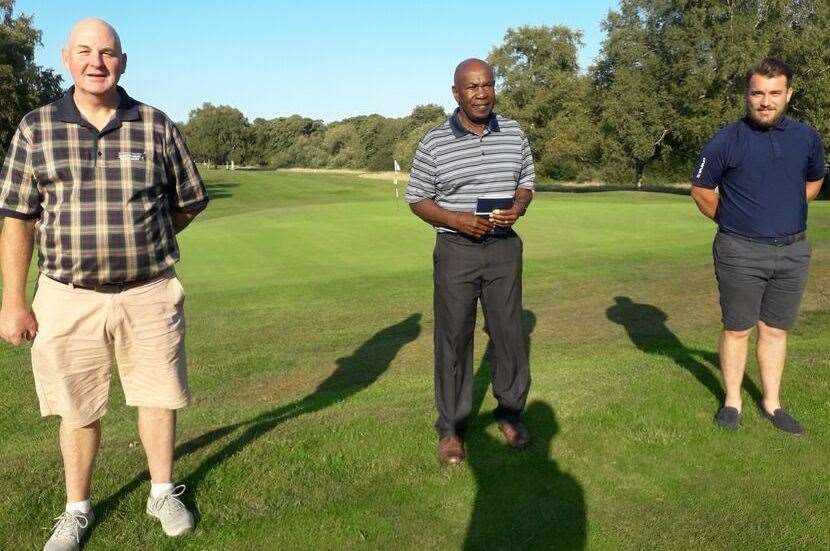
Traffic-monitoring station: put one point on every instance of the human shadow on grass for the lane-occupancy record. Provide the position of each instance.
(220, 190)
(353, 374)
(647, 329)
(523, 500)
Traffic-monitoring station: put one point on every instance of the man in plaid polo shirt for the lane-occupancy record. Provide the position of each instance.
(102, 183)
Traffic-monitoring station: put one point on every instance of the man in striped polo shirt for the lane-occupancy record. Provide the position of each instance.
(475, 154)
(102, 183)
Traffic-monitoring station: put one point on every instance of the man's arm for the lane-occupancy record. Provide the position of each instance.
(524, 191)
(182, 219)
(188, 196)
(17, 322)
(707, 201)
(813, 188)
(465, 222)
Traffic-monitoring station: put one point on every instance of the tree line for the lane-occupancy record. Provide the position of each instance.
(668, 74)
(221, 134)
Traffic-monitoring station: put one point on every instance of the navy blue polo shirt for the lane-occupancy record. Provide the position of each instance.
(761, 176)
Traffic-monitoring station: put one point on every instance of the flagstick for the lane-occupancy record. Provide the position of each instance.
(397, 195)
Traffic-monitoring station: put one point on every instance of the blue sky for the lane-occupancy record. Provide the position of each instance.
(322, 59)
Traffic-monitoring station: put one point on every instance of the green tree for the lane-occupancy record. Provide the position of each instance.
(430, 112)
(672, 71)
(377, 137)
(635, 108)
(539, 85)
(342, 143)
(24, 85)
(417, 124)
(217, 134)
(307, 151)
(272, 141)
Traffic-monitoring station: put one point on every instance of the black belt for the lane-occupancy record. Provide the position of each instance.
(110, 287)
(780, 241)
(509, 232)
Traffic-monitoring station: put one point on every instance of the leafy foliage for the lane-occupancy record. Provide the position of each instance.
(24, 85)
(217, 134)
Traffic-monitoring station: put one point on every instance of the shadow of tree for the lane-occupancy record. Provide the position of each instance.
(647, 329)
(523, 500)
(220, 190)
(352, 374)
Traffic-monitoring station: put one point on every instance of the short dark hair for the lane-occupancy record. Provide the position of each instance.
(770, 67)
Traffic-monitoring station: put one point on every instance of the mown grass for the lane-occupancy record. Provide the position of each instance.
(310, 341)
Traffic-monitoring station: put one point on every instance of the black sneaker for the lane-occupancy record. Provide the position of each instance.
(728, 417)
(782, 420)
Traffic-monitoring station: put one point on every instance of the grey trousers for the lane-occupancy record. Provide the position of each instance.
(466, 270)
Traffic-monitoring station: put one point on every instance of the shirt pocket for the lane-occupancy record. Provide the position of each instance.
(133, 172)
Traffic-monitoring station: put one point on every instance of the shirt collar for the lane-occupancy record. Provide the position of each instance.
(127, 108)
(782, 124)
(458, 130)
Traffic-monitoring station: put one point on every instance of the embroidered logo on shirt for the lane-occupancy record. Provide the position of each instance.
(128, 156)
(700, 170)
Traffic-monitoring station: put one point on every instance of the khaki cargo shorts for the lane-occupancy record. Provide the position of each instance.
(79, 330)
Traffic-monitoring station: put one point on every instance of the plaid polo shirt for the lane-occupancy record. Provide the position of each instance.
(102, 200)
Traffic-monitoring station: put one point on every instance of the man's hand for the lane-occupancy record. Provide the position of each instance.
(470, 224)
(505, 218)
(17, 324)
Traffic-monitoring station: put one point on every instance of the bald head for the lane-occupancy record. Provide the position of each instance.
(92, 26)
(474, 89)
(468, 65)
(94, 57)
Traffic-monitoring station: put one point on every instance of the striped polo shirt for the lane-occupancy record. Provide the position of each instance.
(454, 167)
(103, 200)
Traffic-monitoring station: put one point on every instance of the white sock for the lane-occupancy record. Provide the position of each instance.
(79, 507)
(161, 488)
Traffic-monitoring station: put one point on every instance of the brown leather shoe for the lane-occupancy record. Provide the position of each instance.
(451, 450)
(515, 434)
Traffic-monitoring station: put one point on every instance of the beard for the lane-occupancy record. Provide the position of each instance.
(766, 123)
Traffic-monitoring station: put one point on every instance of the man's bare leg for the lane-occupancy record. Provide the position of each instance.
(733, 351)
(79, 446)
(771, 352)
(157, 429)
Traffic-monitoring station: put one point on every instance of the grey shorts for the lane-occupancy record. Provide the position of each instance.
(759, 281)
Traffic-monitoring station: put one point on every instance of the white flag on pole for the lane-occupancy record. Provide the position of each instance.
(397, 169)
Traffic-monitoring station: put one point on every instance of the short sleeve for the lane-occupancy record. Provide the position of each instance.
(815, 166)
(423, 176)
(527, 174)
(19, 194)
(188, 193)
(712, 163)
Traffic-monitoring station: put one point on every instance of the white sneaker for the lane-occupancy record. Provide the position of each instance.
(175, 519)
(68, 531)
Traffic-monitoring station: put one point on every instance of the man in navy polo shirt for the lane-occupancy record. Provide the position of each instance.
(766, 167)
